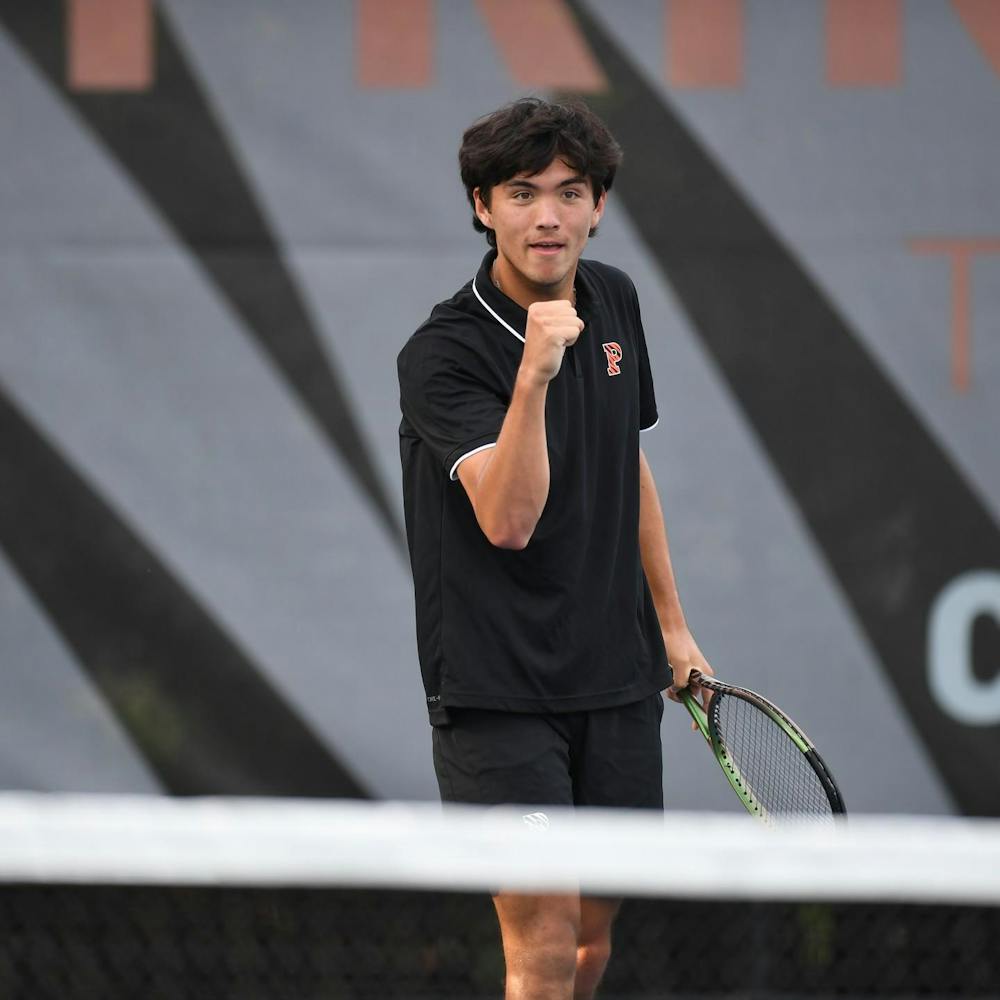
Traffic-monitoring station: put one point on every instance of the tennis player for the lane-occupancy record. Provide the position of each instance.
(545, 599)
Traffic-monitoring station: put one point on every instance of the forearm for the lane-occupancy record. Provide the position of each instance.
(655, 553)
(509, 487)
(513, 484)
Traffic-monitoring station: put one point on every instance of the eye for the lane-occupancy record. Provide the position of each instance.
(522, 195)
(570, 194)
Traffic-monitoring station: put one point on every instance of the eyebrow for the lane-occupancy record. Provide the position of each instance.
(515, 182)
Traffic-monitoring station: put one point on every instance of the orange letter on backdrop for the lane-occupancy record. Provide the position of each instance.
(704, 43)
(542, 45)
(982, 20)
(394, 43)
(863, 43)
(109, 44)
(961, 251)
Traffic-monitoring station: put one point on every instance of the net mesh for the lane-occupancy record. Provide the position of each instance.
(777, 773)
(174, 942)
(184, 899)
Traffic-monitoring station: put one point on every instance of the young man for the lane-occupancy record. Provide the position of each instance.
(545, 598)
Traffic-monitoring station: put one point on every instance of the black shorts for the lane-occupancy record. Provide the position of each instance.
(607, 757)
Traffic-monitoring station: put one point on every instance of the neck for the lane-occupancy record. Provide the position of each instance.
(524, 292)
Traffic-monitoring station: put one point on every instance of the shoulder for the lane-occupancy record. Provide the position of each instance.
(444, 330)
(606, 274)
(610, 283)
(450, 338)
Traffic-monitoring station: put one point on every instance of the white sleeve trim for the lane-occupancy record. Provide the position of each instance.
(642, 430)
(454, 469)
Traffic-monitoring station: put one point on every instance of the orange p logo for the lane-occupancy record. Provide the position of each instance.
(613, 352)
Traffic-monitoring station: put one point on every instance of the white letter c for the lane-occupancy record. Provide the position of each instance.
(949, 642)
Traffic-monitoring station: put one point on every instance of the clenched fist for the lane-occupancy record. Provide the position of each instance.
(552, 327)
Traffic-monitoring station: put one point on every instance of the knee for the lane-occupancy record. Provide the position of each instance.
(551, 956)
(593, 944)
(592, 956)
(540, 936)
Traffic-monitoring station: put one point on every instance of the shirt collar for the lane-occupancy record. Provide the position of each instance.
(508, 313)
(504, 310)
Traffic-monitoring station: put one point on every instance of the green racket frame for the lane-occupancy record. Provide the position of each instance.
(743, 791)
(729, 768)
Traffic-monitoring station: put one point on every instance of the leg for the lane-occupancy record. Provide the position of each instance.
(540, 935)
(493, 758)
(593, 944)
(618, 763)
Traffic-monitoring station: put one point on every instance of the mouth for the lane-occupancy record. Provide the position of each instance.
(547, 247)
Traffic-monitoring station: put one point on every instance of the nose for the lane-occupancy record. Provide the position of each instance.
(548, 216)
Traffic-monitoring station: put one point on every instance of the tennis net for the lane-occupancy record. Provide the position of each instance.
(221, 898)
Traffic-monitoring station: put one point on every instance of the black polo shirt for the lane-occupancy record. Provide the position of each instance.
(567, 623)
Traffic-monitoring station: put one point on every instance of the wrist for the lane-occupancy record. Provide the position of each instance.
(528, 381)
(673, 625)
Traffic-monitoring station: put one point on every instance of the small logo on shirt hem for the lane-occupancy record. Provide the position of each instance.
(537, 821)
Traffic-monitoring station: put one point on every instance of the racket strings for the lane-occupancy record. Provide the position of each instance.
(772, 766)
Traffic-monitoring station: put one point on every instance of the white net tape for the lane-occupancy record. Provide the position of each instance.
(268, 842)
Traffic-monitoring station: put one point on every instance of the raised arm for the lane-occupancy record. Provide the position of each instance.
(682, 650)
(509, 484)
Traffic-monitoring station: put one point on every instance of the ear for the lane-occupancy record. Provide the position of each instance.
(482, 209)
(598, 210)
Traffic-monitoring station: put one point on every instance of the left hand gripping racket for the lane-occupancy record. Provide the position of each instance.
(770, 762)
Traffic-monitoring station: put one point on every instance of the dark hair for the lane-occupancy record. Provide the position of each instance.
(524, 138)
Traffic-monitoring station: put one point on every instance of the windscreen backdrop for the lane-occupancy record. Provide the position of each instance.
(220, 221)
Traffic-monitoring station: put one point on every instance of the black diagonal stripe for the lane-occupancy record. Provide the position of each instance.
(169, 141)
(194, 704)
(893, 517)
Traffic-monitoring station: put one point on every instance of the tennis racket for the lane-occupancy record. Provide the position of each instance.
(770, 762)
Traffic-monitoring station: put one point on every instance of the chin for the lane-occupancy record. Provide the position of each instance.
(543, 276)
(547, 275)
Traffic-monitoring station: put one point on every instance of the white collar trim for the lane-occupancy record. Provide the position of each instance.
(494, 313)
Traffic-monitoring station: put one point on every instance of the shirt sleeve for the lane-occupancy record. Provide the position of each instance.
(648, 415)
(449, 400)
